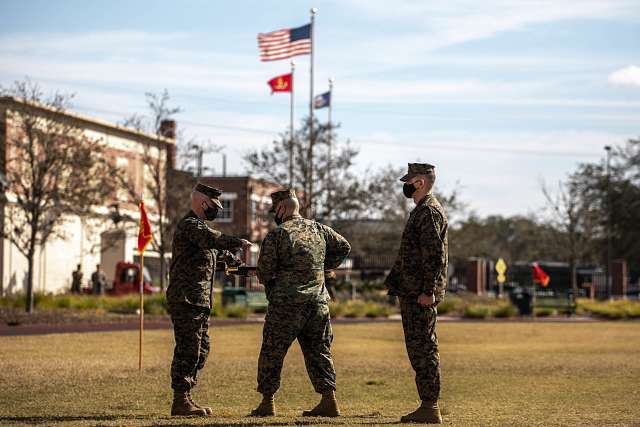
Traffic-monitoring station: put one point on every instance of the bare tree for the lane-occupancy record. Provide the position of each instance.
(336, 190)
(156, 160)
(573, 222)
(53, 171)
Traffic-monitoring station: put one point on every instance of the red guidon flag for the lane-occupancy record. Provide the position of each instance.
(539, 275)
(144, 232)
(283, 83)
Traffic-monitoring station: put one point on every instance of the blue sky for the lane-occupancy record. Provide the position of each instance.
(500, 95)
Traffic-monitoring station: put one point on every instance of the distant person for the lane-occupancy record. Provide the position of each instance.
(98, 281)
(418, 278)
(291, 266)
(196, 249)
(76, 280)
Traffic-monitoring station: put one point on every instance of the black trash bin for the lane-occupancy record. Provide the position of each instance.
(522, 299)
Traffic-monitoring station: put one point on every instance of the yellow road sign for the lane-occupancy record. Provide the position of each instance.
(501, 268)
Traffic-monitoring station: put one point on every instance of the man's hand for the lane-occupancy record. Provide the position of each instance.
(426, 300)
(246, 243)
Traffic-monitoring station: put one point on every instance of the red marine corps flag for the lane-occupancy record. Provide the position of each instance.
(144, 238)
(283, 83)
(144, 232)
(539, 275)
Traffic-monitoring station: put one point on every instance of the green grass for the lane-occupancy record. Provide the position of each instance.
(493, 374)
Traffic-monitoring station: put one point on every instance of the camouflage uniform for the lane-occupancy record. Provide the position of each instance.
(292, 261)
(421, 267)
(196, 248)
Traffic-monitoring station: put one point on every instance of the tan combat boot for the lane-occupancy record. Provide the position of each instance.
(266, 408)
(427, 413)
(182, 406)
(328, 406)
(207, 409)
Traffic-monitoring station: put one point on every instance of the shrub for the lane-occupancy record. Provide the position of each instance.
(632, 309)
(476, 311)
(373, 310)
(336, 309)
(155, 304)
(354, 309)
(260, 309)
(504, 310)
(451, 304)
(543, 311)
(612, 310)
(235, 311)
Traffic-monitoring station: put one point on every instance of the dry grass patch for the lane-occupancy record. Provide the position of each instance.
(506, 374)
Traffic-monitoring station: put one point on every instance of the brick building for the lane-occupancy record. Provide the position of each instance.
(85, 243)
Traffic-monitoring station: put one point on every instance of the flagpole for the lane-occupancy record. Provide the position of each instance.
(141, 308)
(329, 166)
(313, 12)
(291, 137)
(141, 290)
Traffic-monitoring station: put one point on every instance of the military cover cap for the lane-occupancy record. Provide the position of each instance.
(278, 196)
(415, 169)
(212, 193)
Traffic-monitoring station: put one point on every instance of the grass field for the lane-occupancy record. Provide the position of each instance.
(507, 374)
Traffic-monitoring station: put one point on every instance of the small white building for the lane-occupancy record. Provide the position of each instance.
(101, 241)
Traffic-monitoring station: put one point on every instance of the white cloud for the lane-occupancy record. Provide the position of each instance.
(459, 21)
(627, 76)
(86, 43)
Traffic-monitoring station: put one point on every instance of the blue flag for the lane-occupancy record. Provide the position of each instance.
(322, 100)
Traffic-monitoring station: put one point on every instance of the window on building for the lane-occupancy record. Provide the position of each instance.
(226, 215)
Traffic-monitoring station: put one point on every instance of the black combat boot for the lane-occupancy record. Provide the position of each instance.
(328, 406)
(266, 408)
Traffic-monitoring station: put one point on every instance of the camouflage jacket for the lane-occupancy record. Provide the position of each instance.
(293, 259)
(196, 248)
(421, 264)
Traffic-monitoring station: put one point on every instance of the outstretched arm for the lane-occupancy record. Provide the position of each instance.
(337, 248)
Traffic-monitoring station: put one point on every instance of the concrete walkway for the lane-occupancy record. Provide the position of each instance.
(133, 324)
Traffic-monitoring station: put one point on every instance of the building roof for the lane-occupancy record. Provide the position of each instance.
(103, 124)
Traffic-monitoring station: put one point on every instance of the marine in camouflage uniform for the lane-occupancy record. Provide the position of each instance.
(196, 249)
(292, 265)
(421, 268)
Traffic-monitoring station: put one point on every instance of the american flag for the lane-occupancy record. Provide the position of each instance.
(285, 43)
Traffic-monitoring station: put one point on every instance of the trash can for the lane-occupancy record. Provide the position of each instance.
(522, 298)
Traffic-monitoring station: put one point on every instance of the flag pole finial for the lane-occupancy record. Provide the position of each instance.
(313, 10)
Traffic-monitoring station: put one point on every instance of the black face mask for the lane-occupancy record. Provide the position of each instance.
(408, 190)
(209, 213)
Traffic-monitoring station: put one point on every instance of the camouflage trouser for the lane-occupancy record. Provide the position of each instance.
(311, 325)
(419, 324)
(191, 329)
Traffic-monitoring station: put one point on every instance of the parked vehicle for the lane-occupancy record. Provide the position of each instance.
(127, 281)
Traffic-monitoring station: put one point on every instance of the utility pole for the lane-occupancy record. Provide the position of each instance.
(608, 168)
(199, 153)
